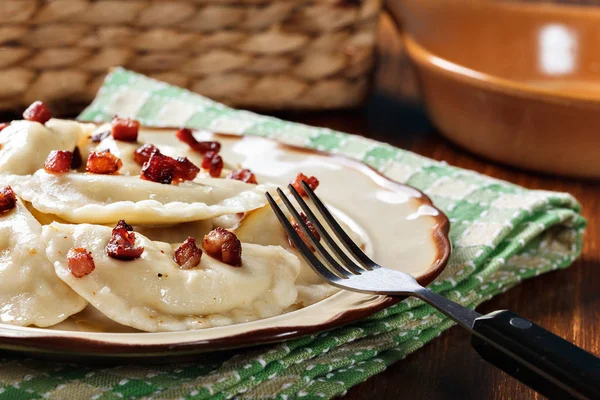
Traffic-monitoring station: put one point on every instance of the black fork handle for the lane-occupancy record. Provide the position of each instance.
(547, 363)
(537, 357)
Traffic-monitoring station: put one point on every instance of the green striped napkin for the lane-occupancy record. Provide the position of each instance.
(501, 234)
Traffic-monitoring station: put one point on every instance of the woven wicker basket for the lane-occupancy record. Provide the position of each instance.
(264, 54)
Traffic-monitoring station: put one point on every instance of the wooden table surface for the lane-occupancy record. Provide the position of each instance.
(567, 302)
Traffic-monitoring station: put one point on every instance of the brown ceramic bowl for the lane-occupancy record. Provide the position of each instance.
(516, 83)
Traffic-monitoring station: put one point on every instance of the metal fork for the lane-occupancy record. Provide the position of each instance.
(535, 356)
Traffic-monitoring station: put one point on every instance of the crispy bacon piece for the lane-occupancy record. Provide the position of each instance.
(103, 162)
(186, 136)
(80, 262)
(8, 199)
(123, 224)
(142, 154)
(185, 170)
(122, 243)
(312, 183)
(125, 129)
(100, 136)
(188, 255)
(77, 161)
(213, 162)
(244, 175)
(58, 161)
(223, 245)
(4, 125)
(310, 226)
(164, 169)
(37, 112)
(159, 168)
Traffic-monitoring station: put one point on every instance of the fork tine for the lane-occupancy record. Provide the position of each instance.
(308, 256)
(330, 261)
(348, 243)
(346, 261)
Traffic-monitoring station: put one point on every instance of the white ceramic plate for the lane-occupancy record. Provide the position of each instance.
(400, 226)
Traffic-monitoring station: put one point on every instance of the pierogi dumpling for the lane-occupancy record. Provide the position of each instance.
(152, 293)
(30, 291)
(105, 199)
(25, 145)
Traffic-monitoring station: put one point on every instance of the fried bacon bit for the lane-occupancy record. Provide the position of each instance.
(178, 169)
(143, 154)
(97, 137)
(122, 243)
(185, 135)
(80, 262)
(77, 161)
(311, 228)
(223, 245)
(4, 125)
(125, 129)
(213, 162)
(58, 161)
(8, 200)
(37, 112)
(103, 162)
(188, 255)
(244, 175)
(159, 168)
(312, 183)
(185, 170)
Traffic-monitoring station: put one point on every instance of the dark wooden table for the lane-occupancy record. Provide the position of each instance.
(566, 302)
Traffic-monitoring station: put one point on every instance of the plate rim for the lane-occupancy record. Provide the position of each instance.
(55, 345)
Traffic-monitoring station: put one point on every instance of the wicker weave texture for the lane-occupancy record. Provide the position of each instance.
(272, 54)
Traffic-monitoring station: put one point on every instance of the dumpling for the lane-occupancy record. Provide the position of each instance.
(25, 145)
(262, 227)
(105, 199)
(176, 233)
(30, 291)
(152, 293)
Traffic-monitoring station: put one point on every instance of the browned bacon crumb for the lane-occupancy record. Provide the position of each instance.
(312, 183)
(311, 228)
(186, 136)
(213, 162)
(185, 170)
(8, 199)
(103, 162)
(100, 136)
(80, 262)
(244, 175)
(182, 168)
(122, 243)
(223, 245)
(4, 125)
(188, 255)
(159, 168)
(142, 154)
(58, 161)
(37, 112)
(125, 129)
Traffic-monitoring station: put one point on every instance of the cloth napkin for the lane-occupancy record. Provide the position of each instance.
(501, 234)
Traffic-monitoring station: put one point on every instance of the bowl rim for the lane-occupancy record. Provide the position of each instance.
(425, 58)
